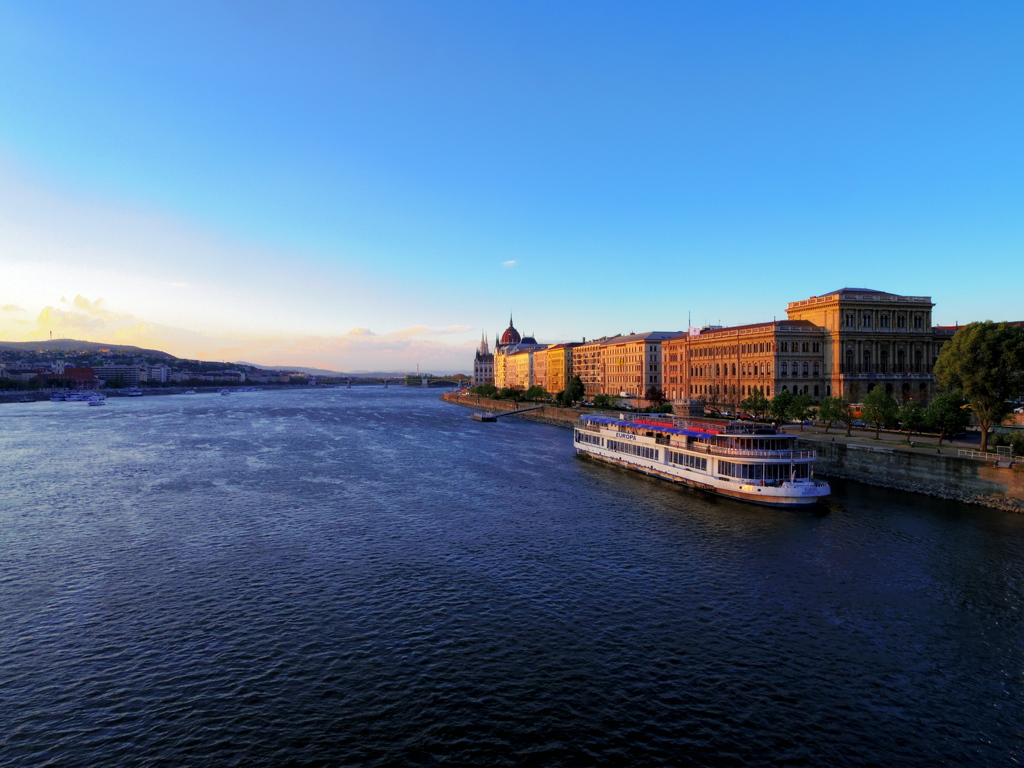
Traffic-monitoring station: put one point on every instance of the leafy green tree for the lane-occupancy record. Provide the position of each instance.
(654, 395)
(985, 361)
(947, 413)
(780, 406)
(830, 411)
(879, 409)
(536, 392)
(911, 417)
(485, 390)
(575, 391)
(756, 403)
(846, 415)
(602, 401)
(800, 409)
(513, 393)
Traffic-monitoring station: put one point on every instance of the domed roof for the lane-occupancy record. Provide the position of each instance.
(511, 335)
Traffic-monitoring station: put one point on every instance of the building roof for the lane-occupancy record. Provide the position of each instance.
(637, 337)
(780, 325)
(858, 290)
(511, 335)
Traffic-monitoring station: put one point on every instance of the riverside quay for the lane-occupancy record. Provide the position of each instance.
(842, 344)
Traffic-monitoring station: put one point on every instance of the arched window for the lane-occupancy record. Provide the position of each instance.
(783, 368)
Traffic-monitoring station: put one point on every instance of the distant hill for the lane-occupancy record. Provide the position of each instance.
(71, 345)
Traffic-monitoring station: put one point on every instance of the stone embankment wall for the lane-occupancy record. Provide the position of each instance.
(948, 477)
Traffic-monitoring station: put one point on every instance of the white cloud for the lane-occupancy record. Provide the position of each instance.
(509, 263)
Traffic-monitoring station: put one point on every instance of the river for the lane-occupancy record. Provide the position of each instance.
(366, 576)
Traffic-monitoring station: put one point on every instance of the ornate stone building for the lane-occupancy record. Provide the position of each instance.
(483, 365)
(873, 338)
(513, 359)
(840, 344)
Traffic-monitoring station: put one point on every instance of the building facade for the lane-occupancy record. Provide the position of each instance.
(510, 372)
(483, 365)
(632, 364)
(875, 338)
(558, 367)
(839, 344)
(587, 363)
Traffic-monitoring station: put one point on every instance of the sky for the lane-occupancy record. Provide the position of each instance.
(372, 185)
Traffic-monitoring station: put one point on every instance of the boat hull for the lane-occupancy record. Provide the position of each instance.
(788, 497)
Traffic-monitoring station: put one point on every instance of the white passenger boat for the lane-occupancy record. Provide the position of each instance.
(97, 400)
(742, 460)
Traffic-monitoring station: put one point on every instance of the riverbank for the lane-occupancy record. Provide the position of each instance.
(919, 465)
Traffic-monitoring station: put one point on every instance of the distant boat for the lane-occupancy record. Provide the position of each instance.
(189, 392)
(134, 392)
(225, 391)
(97, 401)
(57, 397)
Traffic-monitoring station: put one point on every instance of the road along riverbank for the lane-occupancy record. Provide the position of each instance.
(889, 462)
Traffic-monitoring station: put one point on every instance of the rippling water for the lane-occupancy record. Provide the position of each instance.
(367, 576)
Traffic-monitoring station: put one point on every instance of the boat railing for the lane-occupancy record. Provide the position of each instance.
(753, 453)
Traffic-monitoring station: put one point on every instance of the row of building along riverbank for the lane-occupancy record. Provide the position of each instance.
(840, 344)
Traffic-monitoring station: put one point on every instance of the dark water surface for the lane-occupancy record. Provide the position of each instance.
(368, 577)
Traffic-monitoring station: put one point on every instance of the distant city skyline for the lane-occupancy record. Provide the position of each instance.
(370, 186)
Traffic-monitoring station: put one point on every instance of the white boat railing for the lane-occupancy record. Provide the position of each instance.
(753, 453)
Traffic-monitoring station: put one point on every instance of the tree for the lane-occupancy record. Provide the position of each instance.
(602, 401)
(800, 409)
(655, 396)
(780, 406)
(846, 415)
(575, 391)
(879, 409)
(911, 417)
(485, 390)
(513, 393)
(756, 403)
(830, 411)
(947, 413)
(536, 392)
(985, 361)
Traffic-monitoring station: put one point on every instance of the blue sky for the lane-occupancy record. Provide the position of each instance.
(368, 185)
